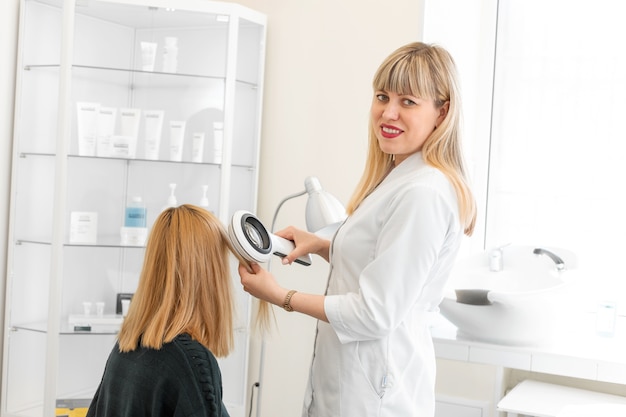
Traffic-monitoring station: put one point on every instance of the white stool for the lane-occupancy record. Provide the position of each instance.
(540, 399)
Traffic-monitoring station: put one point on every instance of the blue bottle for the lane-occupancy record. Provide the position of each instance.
(136, 213)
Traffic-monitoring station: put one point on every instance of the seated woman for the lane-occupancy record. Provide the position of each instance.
(181, 315)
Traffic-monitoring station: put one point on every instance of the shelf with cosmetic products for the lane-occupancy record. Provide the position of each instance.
(116, 101)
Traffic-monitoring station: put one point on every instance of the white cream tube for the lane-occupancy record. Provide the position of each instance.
(177, 136)
(197, 151)
(87, 119)
(105, 131)
(170, 54)
(120, 146)
(154, 126)
(148, 55)
(129, 126)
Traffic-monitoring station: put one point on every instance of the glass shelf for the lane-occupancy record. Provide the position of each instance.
(161, 75)
(103, 242)
(67, 329)
(90, 67)
(96, 329)
(165, 161)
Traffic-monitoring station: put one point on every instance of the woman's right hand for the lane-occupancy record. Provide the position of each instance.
(260, 283)
(305, 243)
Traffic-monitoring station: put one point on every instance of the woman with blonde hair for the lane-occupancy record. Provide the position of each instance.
(180, 318)
(389, 261)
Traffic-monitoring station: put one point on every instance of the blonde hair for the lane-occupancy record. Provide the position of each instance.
(185, 284)
(425, 71)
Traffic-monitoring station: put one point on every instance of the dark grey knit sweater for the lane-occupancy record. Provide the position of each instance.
(180, 379)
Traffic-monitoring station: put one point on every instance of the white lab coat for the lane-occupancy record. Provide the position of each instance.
(389, 264)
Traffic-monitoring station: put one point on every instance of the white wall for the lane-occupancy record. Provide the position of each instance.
(321, 56)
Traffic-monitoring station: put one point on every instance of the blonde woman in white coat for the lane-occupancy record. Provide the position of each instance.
(390, 260)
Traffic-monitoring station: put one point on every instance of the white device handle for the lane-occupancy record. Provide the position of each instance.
(281, 248)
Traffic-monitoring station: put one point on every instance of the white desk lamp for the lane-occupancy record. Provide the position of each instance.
(323, 210)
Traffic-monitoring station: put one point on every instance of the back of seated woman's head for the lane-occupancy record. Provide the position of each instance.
(185, 284)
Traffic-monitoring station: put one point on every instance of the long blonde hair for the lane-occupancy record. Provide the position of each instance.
(185, 284)
(425, 71)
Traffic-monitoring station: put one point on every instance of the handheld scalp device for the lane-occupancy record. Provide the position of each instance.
(254, 243)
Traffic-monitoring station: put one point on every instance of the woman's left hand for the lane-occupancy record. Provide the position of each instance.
(261, 284)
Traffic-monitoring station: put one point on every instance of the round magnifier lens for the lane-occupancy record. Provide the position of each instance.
(253, 235)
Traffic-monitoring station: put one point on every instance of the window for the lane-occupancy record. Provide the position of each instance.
(544, 87)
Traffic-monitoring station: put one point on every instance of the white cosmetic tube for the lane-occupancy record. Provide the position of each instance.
(154, 126)
(106, 129)
(100, 308)
(218, 141)
(177, 136)
(87, 117)
(87, 308)
(170, 54)
(125, 307)
(120, 146)
(129, 126)
(197, 151)
(148, 55)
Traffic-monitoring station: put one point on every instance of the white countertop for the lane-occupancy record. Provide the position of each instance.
(575, 351)
(537, 398)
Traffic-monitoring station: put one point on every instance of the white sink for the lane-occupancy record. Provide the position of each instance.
(514, 306)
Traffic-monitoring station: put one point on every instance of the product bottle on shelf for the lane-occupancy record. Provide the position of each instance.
(135, 213)
(170, 54)
(204, 201)
(134, 231)
(218, 141)
(171, 199)
(197, 152)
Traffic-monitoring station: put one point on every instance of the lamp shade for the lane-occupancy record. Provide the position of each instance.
(322, 208)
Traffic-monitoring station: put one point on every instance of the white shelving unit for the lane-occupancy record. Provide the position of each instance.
(75, 51)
